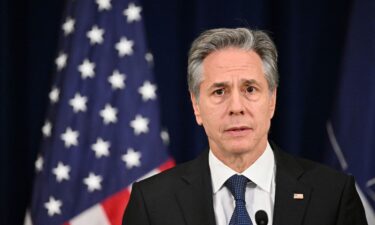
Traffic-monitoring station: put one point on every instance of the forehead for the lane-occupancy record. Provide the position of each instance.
(232, 62)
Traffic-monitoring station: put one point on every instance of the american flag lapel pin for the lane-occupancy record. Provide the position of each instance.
(298, 196)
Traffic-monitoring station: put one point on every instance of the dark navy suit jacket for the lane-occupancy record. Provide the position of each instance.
(183, 195)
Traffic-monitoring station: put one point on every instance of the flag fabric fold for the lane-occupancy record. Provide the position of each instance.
(351, 130)
(102, 131)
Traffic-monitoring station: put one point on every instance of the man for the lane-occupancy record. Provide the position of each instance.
(232, 77)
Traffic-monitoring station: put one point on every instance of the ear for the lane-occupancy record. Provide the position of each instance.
(272, 106)
(197, 112)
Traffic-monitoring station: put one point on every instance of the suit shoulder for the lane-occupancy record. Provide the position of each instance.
(321, 169)
(318, 173)
(169, 178)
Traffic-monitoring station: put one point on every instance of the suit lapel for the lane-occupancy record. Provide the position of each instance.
(195, 200)
(292, 196)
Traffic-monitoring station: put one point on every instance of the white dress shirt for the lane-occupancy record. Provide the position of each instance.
(259, 194)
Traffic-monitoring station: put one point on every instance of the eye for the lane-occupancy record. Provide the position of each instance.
(250, 89)
(219, 92)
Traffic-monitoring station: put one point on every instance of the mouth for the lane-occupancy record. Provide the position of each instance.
(238, 131)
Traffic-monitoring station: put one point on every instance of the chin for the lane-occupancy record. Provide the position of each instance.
(239, 149)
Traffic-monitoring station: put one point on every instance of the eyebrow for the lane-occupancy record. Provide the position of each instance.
(226, 84)
(219, 84)
(249, 82)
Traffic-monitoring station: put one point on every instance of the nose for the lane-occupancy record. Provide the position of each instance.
(236, 106)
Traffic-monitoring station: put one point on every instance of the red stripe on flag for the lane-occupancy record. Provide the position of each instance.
(167, 165)
(114, 206)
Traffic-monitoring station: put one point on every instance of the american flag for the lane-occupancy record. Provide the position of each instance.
(102, 130)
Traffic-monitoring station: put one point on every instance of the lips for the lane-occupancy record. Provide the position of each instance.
(238, 130)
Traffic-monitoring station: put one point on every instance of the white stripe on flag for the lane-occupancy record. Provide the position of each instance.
(96, 214)
(370, 214)
(147, 175)
(27, 219)
(336, 146)
(93, 216)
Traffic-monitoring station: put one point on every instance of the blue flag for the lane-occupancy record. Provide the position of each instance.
(351, 130)
(102, 131)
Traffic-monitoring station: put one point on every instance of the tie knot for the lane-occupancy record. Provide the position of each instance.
(237, 186)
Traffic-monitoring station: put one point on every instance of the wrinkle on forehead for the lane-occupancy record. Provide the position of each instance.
(232, 60)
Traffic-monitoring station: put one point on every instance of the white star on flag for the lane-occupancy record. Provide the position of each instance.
(95, 35)
(78, 103)
(93, 182)
(132, 158)
(109, 114)
(101, 148)
(70, 137)
(53, 206)
(133, 13)
(54, 95)
(61, 61)
(165, 136)
(149, 58)
(46, 129)
(87, 69)
(102, 117)
(124, 47)
(61, 172)
(68, 26)
(104, 4)
(139, 124)
(39, 163)
(148, 91)
(117, 80)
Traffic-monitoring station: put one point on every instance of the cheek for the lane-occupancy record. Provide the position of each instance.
(212, 118)
(267, 107)
(214, 111)
(261, 112)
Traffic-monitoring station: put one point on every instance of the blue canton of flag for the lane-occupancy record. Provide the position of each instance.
(352, 128)
(102, 131)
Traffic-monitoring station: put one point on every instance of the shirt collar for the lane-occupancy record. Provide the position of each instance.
(261, 172)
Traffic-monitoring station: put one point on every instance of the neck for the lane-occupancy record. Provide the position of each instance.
(239, 162)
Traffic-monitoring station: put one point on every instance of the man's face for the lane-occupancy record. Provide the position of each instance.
(235, 105)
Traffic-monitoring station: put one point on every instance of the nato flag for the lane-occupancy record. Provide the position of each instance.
(351, 129)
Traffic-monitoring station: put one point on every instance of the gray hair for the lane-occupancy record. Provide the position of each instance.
(242, 38)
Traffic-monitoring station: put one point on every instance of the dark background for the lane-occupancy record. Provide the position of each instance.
(310, 36)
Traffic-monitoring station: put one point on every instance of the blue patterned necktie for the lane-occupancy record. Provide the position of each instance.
(237, 186)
